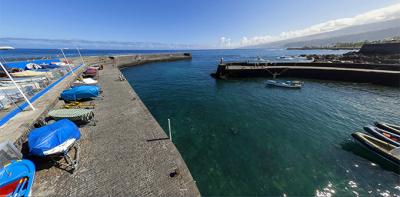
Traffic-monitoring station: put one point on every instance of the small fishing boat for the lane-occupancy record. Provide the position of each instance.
(54, 141)
(90, 72)
(388, 127)
(5, 102)
(85, 81)
(29, 73)
(382, 148)
(285, 84)
(16, 178)
(80, 92)
(383, 135)
(75, 115)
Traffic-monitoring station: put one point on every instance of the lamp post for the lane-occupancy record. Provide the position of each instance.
(16, 85)
(65, 57)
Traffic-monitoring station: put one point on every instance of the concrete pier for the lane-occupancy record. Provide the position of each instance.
(127, 153)
(365, 73)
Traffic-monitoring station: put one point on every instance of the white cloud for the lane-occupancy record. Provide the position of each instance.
(378, 15)
(225, 42)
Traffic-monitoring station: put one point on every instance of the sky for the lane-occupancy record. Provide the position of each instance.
(213, 23)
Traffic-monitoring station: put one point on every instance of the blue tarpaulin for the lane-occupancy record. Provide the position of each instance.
(80, 92)
(50, 136)
(22, 65)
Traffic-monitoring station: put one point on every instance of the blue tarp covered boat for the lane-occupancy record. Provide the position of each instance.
(16, 178)
(80, 92)
(54, 138)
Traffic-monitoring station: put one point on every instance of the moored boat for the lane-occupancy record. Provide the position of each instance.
(285, 84)
(388, 127)
(382, 148)
(383, 135)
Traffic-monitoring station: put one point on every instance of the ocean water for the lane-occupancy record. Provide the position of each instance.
(240, 138)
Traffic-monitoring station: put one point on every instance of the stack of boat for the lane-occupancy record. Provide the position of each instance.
(31, 76)
(10, 94)
(384, 140)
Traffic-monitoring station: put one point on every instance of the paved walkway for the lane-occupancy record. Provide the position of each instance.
(117, 157)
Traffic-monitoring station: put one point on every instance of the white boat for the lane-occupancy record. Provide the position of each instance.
(5, 102)
(29, 73)
(35, 82)
(86, 81)
(285, 84)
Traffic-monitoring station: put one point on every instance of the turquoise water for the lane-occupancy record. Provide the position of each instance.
(240, 138)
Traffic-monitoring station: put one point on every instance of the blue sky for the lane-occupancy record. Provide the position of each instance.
(171, 21)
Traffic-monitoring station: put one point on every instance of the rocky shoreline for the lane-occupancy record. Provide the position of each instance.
(369, 54)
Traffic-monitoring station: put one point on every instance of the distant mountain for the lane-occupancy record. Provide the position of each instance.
(87, 44)
(373, 31)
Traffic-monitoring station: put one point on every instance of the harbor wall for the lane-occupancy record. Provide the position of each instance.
(124, 61)
(392, 67)
(365, 73)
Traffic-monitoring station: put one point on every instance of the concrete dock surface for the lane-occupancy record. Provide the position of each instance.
(127, 153)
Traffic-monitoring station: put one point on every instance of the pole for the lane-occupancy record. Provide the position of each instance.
(65, 57)
(9, 76)
(169, 129)
(83, 62)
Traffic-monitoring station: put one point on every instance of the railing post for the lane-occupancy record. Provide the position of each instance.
(169, 129)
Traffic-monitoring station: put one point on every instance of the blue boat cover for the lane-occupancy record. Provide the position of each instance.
(22, 171)
(80, 92)
(22, 65)
(45, 138)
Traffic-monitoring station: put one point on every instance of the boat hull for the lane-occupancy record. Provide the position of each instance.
(273, 83)
(388, 127)
(365, 140)
(384, 135)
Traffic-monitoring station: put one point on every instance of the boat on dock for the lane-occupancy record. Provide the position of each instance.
(80, 92)
(16, 175)
(388, 127)
(55, 141)
(16, 178)
(85, 81)
(29, 73)
(381, 148)
(285, 84)
(383, 135)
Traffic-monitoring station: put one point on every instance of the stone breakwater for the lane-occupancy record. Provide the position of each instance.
(126, 153)
(365, 73)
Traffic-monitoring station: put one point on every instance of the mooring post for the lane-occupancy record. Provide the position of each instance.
(169, 129)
